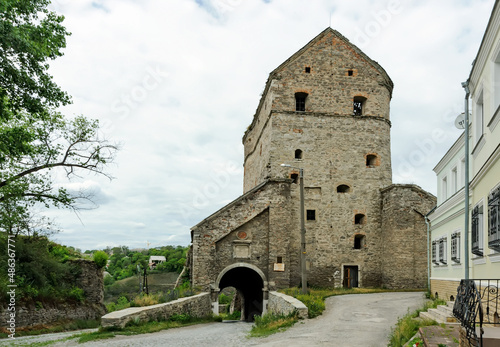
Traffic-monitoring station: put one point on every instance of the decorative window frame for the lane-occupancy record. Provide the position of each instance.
(494, 219)
(477, 230)
(455, 247)
(443, 251)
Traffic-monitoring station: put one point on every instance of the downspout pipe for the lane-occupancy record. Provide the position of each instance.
(465, 85)
(428, 248)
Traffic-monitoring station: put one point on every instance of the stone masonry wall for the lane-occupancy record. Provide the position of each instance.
(240, 233)
(283, 304)
(331, 89)
(445, 289)
(90, 280)
(404, 236)
(195, 306)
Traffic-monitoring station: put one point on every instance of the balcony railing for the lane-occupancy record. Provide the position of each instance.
(477, 304)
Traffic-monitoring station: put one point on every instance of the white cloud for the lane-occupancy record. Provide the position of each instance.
(177, 82)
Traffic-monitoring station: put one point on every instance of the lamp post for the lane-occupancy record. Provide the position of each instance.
(465, 85)
(303, 271)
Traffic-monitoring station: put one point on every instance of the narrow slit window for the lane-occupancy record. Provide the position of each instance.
(371, 160)
(343, 188)
(359, 219)
(311, 214)
(358, 105)
(359, 241)
(300, 101)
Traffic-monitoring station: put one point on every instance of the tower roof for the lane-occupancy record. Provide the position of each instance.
(384, 78)
(330, 31)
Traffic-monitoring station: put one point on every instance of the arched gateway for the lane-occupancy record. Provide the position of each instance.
(251, 284)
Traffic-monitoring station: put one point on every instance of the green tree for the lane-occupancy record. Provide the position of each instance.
(35, 139)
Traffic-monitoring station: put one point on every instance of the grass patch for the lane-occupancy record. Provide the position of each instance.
(57, 327)
(315, 298)
(270, 323)
(408, 326)
(136, 327)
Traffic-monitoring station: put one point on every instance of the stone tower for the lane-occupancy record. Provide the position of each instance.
(324, 110)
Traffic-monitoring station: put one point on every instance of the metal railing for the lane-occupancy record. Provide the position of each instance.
(477, 304)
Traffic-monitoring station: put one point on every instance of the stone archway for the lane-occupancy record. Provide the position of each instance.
(250, 281)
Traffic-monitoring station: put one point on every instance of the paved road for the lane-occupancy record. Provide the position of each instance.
(349, 320)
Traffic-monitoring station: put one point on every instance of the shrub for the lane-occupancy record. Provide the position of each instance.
(100, 258)
(77, 294)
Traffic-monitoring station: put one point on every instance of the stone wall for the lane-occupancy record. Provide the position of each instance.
(90, 279)
(283, 304)
(240, 233)
(195, 306)
(404, 236)
(445, 289)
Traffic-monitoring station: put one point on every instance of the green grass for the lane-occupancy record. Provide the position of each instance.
(269, 324)
(54, 328)
(408, 326)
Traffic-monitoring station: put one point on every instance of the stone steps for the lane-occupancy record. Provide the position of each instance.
(441, 314)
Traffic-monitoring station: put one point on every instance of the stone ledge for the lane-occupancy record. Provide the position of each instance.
(196, 306)
(280, 303)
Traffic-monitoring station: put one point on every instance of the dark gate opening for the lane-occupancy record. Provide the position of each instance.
(350, 277)
(250, 285)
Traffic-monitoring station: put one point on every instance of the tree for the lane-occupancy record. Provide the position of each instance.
(36, 141)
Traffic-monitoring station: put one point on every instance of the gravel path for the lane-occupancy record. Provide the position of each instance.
(349, 320)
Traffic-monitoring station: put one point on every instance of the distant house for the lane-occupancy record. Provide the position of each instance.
(155, 260)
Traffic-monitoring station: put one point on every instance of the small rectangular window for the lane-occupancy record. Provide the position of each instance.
(308, 69)
(435, 255)
(494, 220)
(477, 230)
(279, 260)
(443, 251)
(311, 214)
(350, 72)
(455, 247)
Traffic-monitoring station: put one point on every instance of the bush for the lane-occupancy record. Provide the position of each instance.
(77, 294)
(101, 259)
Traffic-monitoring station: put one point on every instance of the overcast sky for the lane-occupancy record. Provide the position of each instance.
(178, 81)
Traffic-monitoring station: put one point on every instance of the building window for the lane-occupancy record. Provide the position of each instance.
(454, 180)
(294, 177)
(371, 160)
(494, 220)
(455, 247)
(358, 105)
(478, 124)
(359, 218)
(435, 258)
(308, 69)
(359, 241)
(442, 250)
(311, 214)
(300, 101)
(477, 230)
(298, 154)
(444, 188)
(350, 72)
(279, 260)
(343, 188)
(496, 83)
